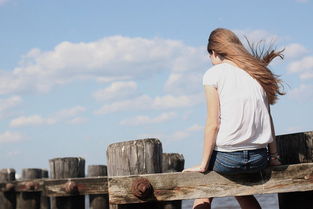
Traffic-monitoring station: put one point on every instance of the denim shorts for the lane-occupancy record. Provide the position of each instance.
(246, 161)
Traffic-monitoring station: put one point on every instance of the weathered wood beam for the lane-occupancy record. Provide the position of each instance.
(191, 185)
(35, 185)
(60, 187)
(175, 186)
(80, 186)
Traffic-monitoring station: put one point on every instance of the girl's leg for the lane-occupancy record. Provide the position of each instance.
(248, 202)
(202, 203)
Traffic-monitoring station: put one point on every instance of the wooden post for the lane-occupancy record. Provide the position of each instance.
(293, 149)
(98, 201)
(29, 200)
(172, 162)
(70, 167)
(8, 198)
(44, 200)
(135, 157)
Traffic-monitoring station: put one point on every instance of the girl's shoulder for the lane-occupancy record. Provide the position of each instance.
(214, 75)
(217, 69)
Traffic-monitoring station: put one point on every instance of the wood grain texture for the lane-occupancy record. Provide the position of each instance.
(172, 162)
(7, 199)
(70, 167)
(141, 156)
(30, 199)
(88, 185)
(44, 200)
(296, 148)
(55, 187)
(191, 185)
(98, 201)
(134, 157)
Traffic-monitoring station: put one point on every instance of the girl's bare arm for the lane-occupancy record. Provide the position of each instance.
(211, 128)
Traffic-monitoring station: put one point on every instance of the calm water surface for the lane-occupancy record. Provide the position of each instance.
(267, 201)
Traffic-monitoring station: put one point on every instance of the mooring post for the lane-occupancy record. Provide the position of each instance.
(8, 198)
(293, 149)
(44, 200)
(172, 162)
(136, 157)
(98, 201)
(70, 167)
(29, 200)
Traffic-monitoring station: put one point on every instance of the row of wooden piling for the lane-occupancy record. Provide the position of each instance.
(125, 158)
(67, 183)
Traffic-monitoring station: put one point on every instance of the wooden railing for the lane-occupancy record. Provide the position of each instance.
(127, 182)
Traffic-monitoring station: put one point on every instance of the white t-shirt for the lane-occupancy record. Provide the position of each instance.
(244, 116)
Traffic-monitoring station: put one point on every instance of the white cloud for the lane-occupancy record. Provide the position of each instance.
(304, 91)
(307, 75)
(109, 79)
(302, 65)
(293, 129)
(10, 102)
(175, 136)
(295, 50)
(117, 90)
(106, 59)
(260, 40)
(7, 104)
(302, 1)
(195, 127)
(13, 153)
(77, 120)
(60, 116)
(179, 135)
(184, 83)
(9, 136)
(145, 102)
(31, 120)
(254, 36)
(143, 120)
(135, 103)
(69, 112)
(157, 135)
(2, 2)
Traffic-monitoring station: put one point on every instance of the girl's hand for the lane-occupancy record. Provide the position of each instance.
(274, 162)
(274, 159)
(194, 169)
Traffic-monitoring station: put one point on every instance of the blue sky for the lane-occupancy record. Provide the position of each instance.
(76, 76)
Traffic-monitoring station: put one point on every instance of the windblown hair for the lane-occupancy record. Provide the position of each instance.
(228, 46)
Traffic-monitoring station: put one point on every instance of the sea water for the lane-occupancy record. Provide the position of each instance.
(267, 201)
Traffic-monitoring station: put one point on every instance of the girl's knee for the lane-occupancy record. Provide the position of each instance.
(202, 203)
(248, 202)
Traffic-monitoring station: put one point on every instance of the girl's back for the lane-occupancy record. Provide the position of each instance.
(244, 117)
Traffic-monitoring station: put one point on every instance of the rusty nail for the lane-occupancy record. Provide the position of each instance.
(71, 187)
(309, 177)
(142, 188)
(31, 185)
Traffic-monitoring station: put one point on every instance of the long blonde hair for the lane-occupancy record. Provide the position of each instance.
(228, 46)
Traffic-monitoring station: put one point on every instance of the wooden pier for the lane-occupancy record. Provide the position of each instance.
(136, 179)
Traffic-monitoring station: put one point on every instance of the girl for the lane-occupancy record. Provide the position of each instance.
(239, 130)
